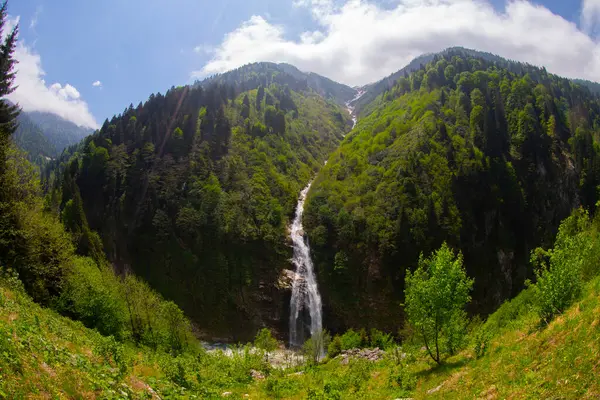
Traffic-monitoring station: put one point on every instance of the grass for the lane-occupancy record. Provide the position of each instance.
(526, 360)
(45, 355)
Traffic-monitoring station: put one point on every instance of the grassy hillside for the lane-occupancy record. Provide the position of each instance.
(45, 355)
(511, 355)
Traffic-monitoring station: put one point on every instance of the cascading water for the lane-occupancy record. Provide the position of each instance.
(305, 305)
(350, 107)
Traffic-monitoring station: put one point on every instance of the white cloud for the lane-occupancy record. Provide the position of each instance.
(360, 42)
(590, 14)
(97, 84)
(36, 16)
(204, 49)
(34, 94)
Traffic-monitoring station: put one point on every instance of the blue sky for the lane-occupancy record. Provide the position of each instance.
(138, 47)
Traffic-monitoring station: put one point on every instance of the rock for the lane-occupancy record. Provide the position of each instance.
(257, 375)
(225, 394)
(435, 389)
(286, 279)
(368, 354)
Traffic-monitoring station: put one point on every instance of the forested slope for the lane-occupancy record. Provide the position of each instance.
(251, 76)
(193, 190)
(30, 138)
(487, 155)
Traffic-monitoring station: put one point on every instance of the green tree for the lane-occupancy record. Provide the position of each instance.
(245, 112)
(314, 348)
(436, 295)
(259, 97)
(8, 112)
(266, 342)
(559, 270)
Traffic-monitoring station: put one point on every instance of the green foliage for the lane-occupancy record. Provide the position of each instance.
(92, 294)
(32, 241)
(380, 339)
(196, 199)
(265, 341)
(314, 348)
(335, 347)
(481, 341)
(485, 154)
(559, 271)
(113, 352)
(436, 295)
(351, 340)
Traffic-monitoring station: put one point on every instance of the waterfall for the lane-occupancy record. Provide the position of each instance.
(350, 107)
(305, 304)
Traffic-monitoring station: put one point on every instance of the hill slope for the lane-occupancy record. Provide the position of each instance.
(44, 135)
(488, 156)
(193, 191)
(264, 73)
(30, 138)
(50, 355)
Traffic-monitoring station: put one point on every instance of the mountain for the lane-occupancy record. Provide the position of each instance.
(485, 154)
(46, 135)
(264, 73)
(60, 132)
(30, 138)
(193, 191)
(373, 90)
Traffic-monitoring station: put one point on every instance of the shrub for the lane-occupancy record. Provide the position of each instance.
(351, 340)
(92, 294)
(113, 352)
(313, 348)
(335, 347)
(559, 270)
(266, 342)
(481, 340)
(379, 339)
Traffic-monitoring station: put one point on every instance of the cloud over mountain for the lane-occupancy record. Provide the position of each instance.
(360, 41)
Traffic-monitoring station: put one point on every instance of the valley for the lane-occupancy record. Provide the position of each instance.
(271, 233)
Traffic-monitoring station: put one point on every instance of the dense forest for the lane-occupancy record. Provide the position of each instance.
(43, 136)
(193, 191)
(251, 76)
(454, 230)
(487, 155)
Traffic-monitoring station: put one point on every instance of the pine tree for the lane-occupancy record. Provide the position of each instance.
(245, 113)
(8, 111)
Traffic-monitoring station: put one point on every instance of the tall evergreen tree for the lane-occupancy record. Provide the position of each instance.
(8, 111)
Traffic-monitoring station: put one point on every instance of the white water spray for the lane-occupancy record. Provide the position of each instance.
(350, 107)
(305, 293)
(305, 304)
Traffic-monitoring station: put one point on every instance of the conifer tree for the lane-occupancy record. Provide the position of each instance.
(8, 111)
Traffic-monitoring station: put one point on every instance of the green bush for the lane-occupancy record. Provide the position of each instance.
(481, 341)
(335, 347)
(92, 294)
(559, 270)
(113, 352)
(351, 340)
(266, 342)
(314, 348)
(379, 339)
